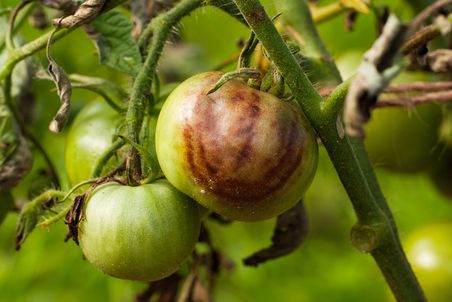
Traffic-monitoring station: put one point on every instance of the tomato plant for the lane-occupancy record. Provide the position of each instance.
(242, 143)
(238, 151)
(429, 250)
(138, 233)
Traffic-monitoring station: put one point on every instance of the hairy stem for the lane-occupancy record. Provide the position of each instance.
(102, 161)
(348, 156)
(160, 27)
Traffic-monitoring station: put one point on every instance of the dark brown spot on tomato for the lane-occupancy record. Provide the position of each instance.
(222, 150)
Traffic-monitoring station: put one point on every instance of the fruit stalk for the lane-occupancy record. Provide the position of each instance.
(348, 156)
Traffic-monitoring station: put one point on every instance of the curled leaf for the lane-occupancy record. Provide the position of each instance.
(290, 231)
(28, 219)
(64, 90)
(74, 216)
(374, 74)
(85, 13)
(36, 210)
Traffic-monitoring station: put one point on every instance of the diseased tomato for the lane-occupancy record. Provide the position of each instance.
(240, 152)
(138, 233)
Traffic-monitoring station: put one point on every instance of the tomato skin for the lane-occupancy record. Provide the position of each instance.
(138, 233)
(90, 135)
(240, 152)
(429, 251)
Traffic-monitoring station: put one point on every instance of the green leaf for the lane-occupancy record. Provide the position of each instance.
(115, 46)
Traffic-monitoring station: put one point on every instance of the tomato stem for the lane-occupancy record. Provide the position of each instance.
(157, 31)
(348, 155)
(102, 161)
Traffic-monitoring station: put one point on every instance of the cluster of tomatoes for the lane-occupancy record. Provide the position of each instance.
(240, 152)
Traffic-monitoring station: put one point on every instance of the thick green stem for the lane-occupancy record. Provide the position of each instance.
(348, 156)
(160, 27)
(297, 17)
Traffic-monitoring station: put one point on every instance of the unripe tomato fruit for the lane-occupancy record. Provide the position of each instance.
(429, 250)
(240, 152)
(90, 135)
(138, 233)
(403, 140)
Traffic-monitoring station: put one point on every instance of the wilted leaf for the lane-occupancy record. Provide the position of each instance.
(45, 209)
(64, 90)
(86, 12)
(27, 222)
(115, 45)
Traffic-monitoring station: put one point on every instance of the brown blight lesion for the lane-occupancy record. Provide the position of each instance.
(242, 144)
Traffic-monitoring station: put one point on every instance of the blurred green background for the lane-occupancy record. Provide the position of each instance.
(325, 268)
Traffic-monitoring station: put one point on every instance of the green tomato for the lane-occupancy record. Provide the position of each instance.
(429, 251)
(403, 140)
(240, 152)
(90, 135)
(399, 139)
(138, 233)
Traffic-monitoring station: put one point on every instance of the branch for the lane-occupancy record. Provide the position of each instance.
(348, 156)
(418, 86)
(160, 27)
(402, 88)
(427, 13)
(411, 101)
(424, 35)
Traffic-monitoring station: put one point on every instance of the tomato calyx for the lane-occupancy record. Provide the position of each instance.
(76, 213)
